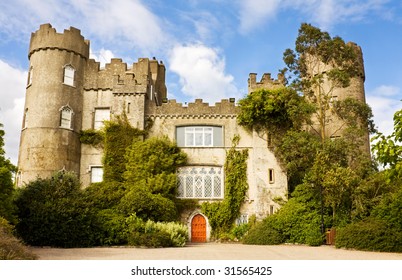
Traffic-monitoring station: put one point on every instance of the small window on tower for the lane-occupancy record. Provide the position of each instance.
(25, 121)
(30, 75)
(66, 117)
(69, 72)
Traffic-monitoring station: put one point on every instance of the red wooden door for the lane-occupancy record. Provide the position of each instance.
(198, 229)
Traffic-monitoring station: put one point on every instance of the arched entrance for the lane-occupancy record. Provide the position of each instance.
(198, 229)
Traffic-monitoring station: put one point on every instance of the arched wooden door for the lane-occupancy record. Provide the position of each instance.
(198, 229)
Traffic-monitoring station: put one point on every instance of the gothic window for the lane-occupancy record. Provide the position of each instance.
(96, 174)
(30, 75)
(101, 115)
(200, 182)
(199, 136)
(69, 72)
(66, 115)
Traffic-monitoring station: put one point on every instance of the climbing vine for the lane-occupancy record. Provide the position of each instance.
(222, 214)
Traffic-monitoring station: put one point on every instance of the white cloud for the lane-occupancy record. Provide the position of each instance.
(256, 12)
(324, 13)
(12, 96)
(202, 73)
(127, 22)
(384, 100)
(103, 56)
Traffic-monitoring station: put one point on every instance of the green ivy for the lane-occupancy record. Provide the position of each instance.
(222, 214)
(119, 135)
(91, 137)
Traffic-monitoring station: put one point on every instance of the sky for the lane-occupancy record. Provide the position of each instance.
(209, 47)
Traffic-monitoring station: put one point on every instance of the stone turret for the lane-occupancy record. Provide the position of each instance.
(53, 104)
(266, 82)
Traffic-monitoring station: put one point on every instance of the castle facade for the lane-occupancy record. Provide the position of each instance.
(68, 92)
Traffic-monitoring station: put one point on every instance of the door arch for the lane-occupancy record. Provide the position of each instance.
(198, 229)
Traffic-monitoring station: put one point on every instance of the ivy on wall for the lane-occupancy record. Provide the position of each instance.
(114, 138)
(222, 215)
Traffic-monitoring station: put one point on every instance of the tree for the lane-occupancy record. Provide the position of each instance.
(273, 111)
(6, 183)
(318, 66)
(388, 150)
(150, 178)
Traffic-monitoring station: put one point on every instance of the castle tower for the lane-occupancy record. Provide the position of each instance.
(53, 105)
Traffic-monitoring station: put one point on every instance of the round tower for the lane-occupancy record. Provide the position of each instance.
(53, 103)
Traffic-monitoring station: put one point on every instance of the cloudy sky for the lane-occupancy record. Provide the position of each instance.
(209, 47)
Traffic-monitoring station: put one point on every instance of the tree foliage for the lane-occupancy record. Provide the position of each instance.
(276, 110)
(7, 169)
(52, 213)
(318, 66)
(388, 149)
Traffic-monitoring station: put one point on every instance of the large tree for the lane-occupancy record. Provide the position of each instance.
(319, 65)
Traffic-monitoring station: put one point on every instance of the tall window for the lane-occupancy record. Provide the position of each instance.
(101, 115)
(96, 174)
(199, 136)
(69, 72)
(66, 117)
(202, 182)
(30, 75)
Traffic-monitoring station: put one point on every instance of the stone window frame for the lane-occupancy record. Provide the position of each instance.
(25, 118)
(66, 121)
(271, 175)
(99, 123)
(209, 136)
(69, 75)
(200, 182)
(30, 76)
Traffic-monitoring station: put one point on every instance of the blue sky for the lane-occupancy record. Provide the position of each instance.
(209, 47)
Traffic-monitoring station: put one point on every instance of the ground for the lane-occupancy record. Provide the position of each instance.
(213, 251)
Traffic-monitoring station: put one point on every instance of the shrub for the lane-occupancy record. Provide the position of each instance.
(113, 227)
(52, 213)
(10, 247)
(263, 234)
(371, 234)
(152, 234)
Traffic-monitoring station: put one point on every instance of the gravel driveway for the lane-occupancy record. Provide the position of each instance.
(213, 251)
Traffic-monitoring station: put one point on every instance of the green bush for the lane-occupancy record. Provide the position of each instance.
(113, 228)
(263, 234)
(10, 247)
(152, 234)
(52, 212)
(371, 234)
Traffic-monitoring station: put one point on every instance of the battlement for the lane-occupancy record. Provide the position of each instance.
(266, 82)
(198, 108)
(47, 38)
(120, 78)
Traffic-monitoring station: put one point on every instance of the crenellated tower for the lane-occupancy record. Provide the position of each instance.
(53, 105)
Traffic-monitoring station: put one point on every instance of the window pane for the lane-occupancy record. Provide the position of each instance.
(200, 182)
(69, 75)
(101, 115)
(96, 174)
(198, 139)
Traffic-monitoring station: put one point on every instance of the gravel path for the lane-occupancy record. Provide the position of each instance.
(213, 251)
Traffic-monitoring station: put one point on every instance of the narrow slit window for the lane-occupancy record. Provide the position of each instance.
(271, 176)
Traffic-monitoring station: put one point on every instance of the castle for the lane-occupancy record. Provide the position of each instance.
(68, 92)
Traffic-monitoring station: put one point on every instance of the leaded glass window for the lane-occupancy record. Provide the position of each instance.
(202, 182)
